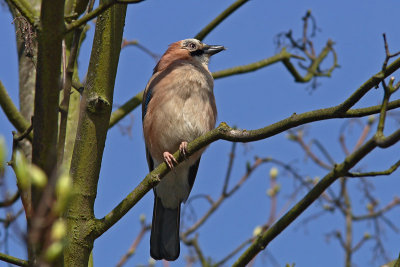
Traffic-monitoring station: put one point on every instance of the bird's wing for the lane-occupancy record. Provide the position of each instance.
(150, 161)
(192, 174)
(147, 95)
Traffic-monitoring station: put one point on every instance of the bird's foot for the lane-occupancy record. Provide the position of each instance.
(183, 149)
(169, 159)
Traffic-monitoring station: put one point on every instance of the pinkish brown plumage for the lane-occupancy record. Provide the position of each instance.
(178, 106)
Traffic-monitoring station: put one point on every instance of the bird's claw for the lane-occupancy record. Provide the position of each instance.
(183, 149)
(169, 159)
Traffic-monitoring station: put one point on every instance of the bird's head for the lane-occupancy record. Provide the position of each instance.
(188, 49)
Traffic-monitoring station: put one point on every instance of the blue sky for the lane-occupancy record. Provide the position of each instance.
(248, 101)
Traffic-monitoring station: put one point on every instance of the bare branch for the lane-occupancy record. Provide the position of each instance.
(324, 151)
(25, 9)
(229, 169)
(299, 139)
(234, 252)
(338, 171)
(283, 56)
(67, 85)
(395, 202)
(224, 195)
(215, 22)
(94, 13)
(388, 54)
(389, 171)
(12, 113)
(13, 260)
(195, 244)
(10, 201)
(124, 110)
(360, 243)
(134, 245)
(136, 43)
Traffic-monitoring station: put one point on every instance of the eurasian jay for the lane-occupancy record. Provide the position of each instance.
(178, 106)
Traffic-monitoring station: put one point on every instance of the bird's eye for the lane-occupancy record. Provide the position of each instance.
(192, 46)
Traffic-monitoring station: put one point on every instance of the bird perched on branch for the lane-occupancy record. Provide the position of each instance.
(178, 106)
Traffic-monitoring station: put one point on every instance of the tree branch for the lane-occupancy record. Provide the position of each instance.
(375, 214)
(12, 113)
(11, 200)
(307, 149)
(224, 195)
(361, 112)
(392, 169)
(370, 83)
(312, 71)
(67, 85)
(195, 244)
(45, 118)
(104, 5)
(134, 245)
(25, 9)
(13, 260)
(360, 243)
(215, 22)
(136, 43)
(124, 110)
(229, 169)
(338, 171)
(234, 252)
(281, 56)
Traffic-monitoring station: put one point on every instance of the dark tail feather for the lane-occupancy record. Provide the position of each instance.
(164, 239)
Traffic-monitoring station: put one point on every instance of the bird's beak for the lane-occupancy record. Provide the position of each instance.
(212, 49)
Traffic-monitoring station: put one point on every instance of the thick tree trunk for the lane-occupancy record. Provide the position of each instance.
(92, 129)
(45, 122)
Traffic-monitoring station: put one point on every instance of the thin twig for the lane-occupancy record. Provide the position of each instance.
(360, 243)
(323, 150)
(395, 202)
(234, 252)
(363, 136)
(387, 52)
(224, 196)
(195, 244)
(11, 200)
(18, 138)
(229, 169)
(307, 149)
(389, 171)
(136, 43)
(134, 245)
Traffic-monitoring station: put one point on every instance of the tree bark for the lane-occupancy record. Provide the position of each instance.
(92, 129)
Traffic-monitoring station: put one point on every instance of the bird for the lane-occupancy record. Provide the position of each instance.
(178, 106)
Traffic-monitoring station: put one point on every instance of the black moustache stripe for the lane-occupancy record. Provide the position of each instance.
(198, 52)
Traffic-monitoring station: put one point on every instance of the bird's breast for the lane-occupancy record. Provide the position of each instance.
(182, 108)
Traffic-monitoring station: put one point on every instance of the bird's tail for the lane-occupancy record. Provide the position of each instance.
(164, 239)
